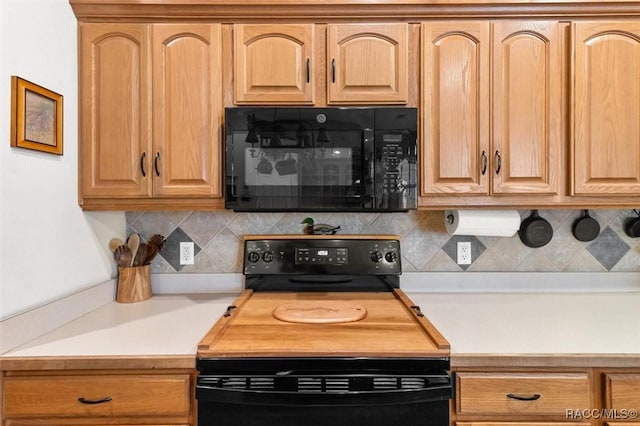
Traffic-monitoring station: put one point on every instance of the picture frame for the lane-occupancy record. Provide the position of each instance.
(36, 117)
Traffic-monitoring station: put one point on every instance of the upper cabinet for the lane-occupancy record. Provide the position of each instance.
(606, 101)
(151, 108)
(367, 63)
(115, 108)
(527, 119)
(455, 108)
(273, 64)
(514, 111)
(284, 64)
(492, 107)
(187, 110)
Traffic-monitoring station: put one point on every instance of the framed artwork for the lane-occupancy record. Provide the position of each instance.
(36, 117)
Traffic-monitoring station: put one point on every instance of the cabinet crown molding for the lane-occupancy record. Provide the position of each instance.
(264, 10)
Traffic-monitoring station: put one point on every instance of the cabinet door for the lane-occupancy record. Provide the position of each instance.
(115, 144)
(527, 107)
(272, 63)
(622, 391)
(455, 108)
(367, 63)
(606, 143)
(187, 106)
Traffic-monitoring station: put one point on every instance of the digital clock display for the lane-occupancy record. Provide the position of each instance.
(322, 256)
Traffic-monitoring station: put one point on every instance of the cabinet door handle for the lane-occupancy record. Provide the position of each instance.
(524, 398)
(308, 71)
(333, 70)
(484, 163)
(142, 157)
(94, 401)
(498, 162)
(155, 163)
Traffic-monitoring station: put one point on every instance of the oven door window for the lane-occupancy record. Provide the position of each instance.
(300, 167)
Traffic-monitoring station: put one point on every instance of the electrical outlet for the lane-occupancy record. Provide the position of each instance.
(464, 252)
(186, 253)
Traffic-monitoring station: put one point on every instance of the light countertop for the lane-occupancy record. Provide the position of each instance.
(167, 327)
(523, 329)
(581, 329)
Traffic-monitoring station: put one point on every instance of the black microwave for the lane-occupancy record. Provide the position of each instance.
(320, 159)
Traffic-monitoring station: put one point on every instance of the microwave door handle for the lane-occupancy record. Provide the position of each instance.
(368, 152)
(233, 186)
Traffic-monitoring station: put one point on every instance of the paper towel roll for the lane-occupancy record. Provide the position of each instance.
(494, 223)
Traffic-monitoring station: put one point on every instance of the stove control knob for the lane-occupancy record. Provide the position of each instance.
(253, 256)
(267, 256)
(376, 256)
(391, 256)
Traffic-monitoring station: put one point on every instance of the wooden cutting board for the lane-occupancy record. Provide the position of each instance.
(320, 311)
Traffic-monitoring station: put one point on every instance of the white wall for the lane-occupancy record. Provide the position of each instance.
(49, 248)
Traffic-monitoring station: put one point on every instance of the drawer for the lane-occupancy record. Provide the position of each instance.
(483, 423)
(521, 393)
(622, 391)
(129, 395)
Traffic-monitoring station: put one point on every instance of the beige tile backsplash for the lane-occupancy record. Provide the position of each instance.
(426, 246)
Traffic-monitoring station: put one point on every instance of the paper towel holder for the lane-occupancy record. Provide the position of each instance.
(450, 218)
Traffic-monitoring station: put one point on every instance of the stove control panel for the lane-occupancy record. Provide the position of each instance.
(325, 256)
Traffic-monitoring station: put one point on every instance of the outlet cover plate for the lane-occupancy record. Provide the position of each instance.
(464, 252)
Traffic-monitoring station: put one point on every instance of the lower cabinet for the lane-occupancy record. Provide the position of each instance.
(100, 397)
(521, 398)
(542, 396)
(524, 423)
(621, 397)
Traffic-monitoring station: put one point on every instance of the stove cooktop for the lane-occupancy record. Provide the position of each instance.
(323, 276)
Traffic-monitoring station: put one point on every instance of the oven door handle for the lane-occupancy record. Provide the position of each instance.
(293, 398)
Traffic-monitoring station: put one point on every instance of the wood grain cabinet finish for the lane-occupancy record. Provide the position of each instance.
(277, 64)
(273, 64)
(187, 110)
(606, 142)
(527, 110)
(368, 63)
(622, 391)
(524, 423)
(115, 108)
(521, 394)
(492, 107)
(94, 398)
(455, 107)
(151, 109)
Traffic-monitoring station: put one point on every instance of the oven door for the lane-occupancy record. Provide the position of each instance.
(286, 159)
(294, 399)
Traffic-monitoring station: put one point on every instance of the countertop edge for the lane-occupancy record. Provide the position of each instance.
(99, 362)
(458, 361)
(501, 360)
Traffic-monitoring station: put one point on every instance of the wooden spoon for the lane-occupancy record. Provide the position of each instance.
(152, 251)
(133, 242)
(114, 244)
(141, 255)
(123, 255)
(157, 240)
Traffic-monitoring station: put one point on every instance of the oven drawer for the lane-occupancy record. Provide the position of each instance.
(521, 393)
(96, 395)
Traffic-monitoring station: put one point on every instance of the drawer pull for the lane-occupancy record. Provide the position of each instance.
(83, 400)
(524, 398)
